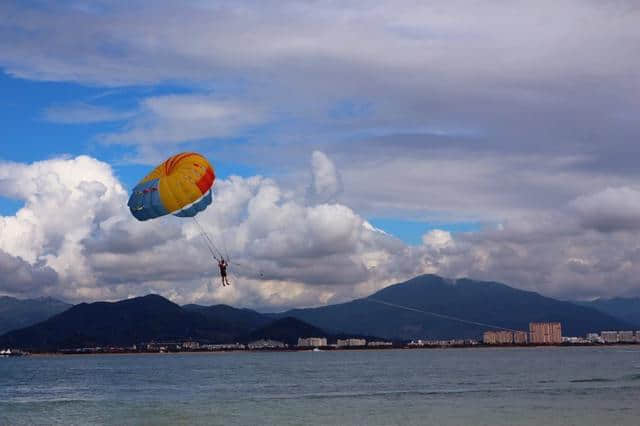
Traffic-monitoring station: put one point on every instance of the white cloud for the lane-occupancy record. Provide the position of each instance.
(20, 277)
(437, 238)
(197, 40)
(325, 180)
(610, 209)
(174, 119)
(75, 226)
(75, 238)
(78, 113)
(64, 199)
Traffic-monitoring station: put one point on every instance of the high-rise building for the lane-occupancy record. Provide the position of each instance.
(545, 333)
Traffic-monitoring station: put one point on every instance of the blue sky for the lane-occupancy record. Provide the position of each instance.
(29, 136)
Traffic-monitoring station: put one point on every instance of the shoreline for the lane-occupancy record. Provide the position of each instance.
(515, 347)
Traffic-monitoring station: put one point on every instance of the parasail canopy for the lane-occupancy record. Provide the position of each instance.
(180, 186)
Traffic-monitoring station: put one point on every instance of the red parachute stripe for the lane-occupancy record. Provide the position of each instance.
(206, 181)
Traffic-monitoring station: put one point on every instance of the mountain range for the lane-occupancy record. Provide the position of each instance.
(625, 309)
(425, 307)
(19, 313)
(423, 303)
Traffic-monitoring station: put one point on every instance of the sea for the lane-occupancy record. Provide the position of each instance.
(465, 386)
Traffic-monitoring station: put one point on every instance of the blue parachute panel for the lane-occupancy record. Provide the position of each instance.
(145, 202)
(195, 208)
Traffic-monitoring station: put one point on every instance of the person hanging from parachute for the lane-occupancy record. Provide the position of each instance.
(222, 264)
(180, 186)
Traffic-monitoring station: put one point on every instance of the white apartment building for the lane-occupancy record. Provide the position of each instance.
(351, 342)
(312, 342)
(609, 336)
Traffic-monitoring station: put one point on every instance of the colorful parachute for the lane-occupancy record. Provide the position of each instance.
(180, 186)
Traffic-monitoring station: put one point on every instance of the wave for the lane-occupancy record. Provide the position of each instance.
(47, 401)
(391, 392)
(592, 380)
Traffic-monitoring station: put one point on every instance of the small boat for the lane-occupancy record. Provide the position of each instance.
(8, 352)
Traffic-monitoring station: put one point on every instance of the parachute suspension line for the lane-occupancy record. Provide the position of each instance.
(245, 266)
(449, 317)
(210, 244)
(213, 253)
(224, 246)
(218, 255)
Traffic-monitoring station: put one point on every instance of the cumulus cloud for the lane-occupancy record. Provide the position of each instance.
(75, 238)
(63, 199)
(325, 179)
(613, 209)
(20, 277)
(437, 238)
(555, 254)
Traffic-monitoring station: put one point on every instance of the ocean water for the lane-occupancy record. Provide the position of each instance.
(473, 386)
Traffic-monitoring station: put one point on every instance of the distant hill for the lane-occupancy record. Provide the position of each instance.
(19, 313)
(286, 330)
(123, 323)
(479, 301)
(625, 309)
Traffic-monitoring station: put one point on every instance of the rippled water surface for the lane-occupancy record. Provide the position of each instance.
(480, 386)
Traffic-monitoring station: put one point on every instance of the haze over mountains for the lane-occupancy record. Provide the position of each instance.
(153, 317)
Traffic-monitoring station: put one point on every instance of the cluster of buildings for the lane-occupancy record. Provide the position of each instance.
(614, 337)
(261, 344)
(441, 343)
(321, 342)
(540, 333)
(505, 338)
(312, 342)
(550, 333)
